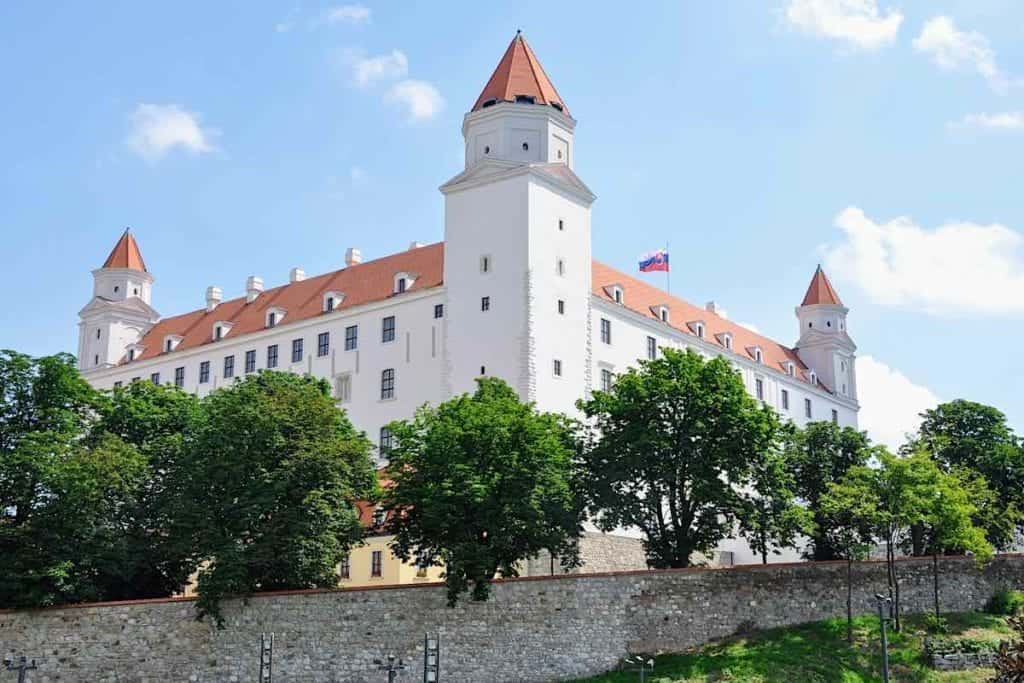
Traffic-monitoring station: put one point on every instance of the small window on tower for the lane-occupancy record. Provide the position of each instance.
(561, 266)
(135, 291)
(561, 307)
(526, 147)
(487, 148)
(561, 223)
(116, 289)
(485, 264)
(96, 359)
(97, 334)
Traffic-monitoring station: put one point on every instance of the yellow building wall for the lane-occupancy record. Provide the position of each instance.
(393, 570)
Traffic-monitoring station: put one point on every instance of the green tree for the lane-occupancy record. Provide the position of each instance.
(817, 456)
(847, 529)
(904, 492)
(675, 445)
(773, 520)
(480, 483)
(160, 421)
(273, 478)
(966, 435)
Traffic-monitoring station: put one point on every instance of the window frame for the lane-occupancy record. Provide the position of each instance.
(179, 377)
(250, 361)
(229, 366)
(351, 337)
(204, 372)
(323, 344)
(652, 348)
(388, 332)
(298, 349)
(606, 331)
(387, 384)
(272, 356)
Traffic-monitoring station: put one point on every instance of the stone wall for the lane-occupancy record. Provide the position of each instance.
(535, 629)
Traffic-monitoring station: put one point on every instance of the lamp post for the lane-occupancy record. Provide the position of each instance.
(21, 667)
(883, 602)
(391, 667)
(641, 665)
(431, 658)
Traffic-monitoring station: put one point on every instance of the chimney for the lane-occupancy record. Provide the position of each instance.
(353, 256)
(213, 297)
(712, 307)
(296, 275)
(253, 287)
(415, 245)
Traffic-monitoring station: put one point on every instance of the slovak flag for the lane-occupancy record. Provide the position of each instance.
(654, 261)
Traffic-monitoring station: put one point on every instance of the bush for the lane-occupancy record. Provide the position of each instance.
(1005, 601)
(935, 624)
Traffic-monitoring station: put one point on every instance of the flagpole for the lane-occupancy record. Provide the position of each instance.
(668, 271)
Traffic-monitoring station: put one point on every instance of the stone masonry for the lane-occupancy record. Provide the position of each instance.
(533, 629)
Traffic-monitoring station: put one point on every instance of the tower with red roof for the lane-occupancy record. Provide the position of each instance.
(825, 345)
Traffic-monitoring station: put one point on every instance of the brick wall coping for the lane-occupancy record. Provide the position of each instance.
(519, 579)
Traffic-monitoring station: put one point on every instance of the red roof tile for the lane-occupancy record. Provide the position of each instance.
(302, 300)
(126, 254)
(519, 73)
(642, 298)
(820, 291)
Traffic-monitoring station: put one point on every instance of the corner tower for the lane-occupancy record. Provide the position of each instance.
(517, 263)
(825, 345)
(119, 313)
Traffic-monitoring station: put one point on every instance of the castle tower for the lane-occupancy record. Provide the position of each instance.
(119, 312)
(825, 345)
(517, 264)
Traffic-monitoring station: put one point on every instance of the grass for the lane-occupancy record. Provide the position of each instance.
(818, 652)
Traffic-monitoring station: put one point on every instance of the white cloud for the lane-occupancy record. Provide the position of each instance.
(156, 129)
(890, 403)
(958, 267)
(368, 70)
(856, 23)
(953, 49)
(349, 14)
(1003, 121)
(421, 99)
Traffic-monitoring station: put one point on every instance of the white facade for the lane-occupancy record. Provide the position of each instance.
(516, 302)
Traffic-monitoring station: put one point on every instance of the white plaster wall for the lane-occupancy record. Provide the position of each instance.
(505, 126)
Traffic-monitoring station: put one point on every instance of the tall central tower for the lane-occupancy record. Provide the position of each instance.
(517, 264)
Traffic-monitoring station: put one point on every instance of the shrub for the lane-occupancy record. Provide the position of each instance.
(935, 624)
(1005, 601)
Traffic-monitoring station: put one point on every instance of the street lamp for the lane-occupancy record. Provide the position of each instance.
(883, 602)
(641, 665)
(21, 667)
(391, 667)
(431, 658)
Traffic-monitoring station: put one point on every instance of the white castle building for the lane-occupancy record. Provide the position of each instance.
(511, 292)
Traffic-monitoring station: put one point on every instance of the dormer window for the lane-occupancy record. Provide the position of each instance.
(790, 368)
(526, 99)
(134, 351)
(221, 329)
(131, 354)
(697, 327)
(403, 282)
(171, 342)
(616, 293)
(726, 339)
(332, 300)
(812, 377)
(489, 103)
(756, 353)
(274, 316)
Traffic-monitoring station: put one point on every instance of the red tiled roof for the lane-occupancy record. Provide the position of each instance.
(820, 291)
(642, 298)
(126, 254)
(374, 281)
(302, 300)
(519, 73)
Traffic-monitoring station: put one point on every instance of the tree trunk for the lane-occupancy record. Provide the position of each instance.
(935, 577)
(764, 547)
(849, 600)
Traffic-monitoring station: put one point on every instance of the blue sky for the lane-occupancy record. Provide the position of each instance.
(758, 137)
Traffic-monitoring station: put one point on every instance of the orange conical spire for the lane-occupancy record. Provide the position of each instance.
(820, 291)
(126, 254)
(519, 74)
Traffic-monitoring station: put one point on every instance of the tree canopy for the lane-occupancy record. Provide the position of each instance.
(480, 483)
(675, 450)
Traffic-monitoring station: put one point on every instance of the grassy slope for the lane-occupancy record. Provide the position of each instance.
(819, 652)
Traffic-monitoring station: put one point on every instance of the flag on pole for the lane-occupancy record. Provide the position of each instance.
(654, 261)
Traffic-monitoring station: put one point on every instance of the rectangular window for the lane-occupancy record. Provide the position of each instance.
(808, 413)
(387, 384)
(376, 561)
(387, 329)
(296, 350)
(485, 303)
(250, 361)
(422, 563)
(485, 264)
(606, 380)
(785, 400)
(345, 569)
(155, 378)
(271, 319)
(835, 417)
(351, 337)
(606, 331)
(438, 310)
(204, 372)
(759, 388)
(558, 368)
(229, 367)
(272, 356)
(218, 332)
(323, 343)
(561, 307)
(386, 441)
(329, 305)
(401, 285)
(652, 348)
(131, 354)
(179, 377)
(343, 388)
